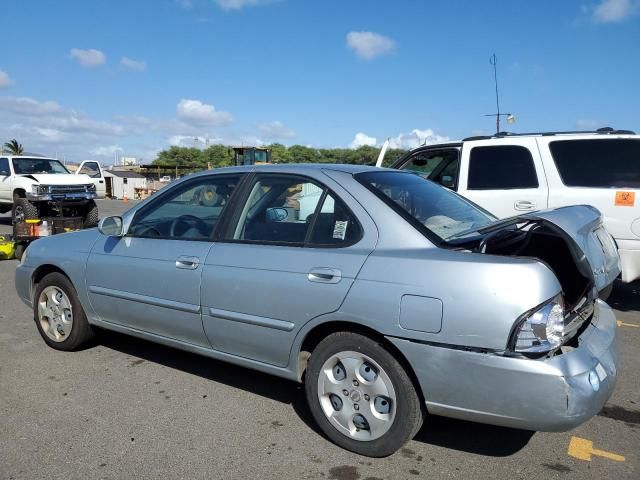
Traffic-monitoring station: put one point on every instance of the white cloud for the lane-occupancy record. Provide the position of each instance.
(275, 129)
(88, 58)
(362, 139)
(239, 4)
(614, 11)
(132, 64)
(46, 126)
(586, 124)
(5, 80)
(28, 106)
(369, 45)
(195, 112)
(106, 150)
(415, 138)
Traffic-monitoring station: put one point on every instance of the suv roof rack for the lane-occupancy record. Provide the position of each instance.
(601, 131)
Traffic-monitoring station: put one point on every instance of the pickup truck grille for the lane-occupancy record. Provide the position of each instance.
(62, 189)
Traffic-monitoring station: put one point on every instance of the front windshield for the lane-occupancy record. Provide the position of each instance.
(27, 166)
(425, 204)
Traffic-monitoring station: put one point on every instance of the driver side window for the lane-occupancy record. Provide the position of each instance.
(186, 212)
(439, 166)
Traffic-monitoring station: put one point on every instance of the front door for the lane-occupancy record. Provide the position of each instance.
(149, 280)
(291, 253)
(92, 168)
(5, 181)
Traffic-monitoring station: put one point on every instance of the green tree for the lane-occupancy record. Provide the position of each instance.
(222, 156)
(13, 147)
(280, 153)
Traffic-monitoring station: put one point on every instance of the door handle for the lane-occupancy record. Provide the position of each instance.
(188, 263)
(325, 275)
(524, 205)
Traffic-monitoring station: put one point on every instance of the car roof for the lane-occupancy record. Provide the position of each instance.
(294, 168)
(603, 133)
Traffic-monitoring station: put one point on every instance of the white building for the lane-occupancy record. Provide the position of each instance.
(121, 183)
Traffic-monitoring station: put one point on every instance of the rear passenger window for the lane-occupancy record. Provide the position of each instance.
(279, 209)
(501, 167)
(289, 210)
(334, 224)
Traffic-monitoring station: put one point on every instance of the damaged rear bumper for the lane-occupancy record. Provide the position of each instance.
(554, 394)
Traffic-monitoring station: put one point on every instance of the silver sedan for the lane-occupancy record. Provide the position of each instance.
(389, 296)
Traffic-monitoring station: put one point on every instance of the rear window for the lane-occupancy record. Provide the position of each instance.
(438, 213)
(598, 163)
(501, 167)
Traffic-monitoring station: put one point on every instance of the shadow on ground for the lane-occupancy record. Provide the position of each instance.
(455, 434)
(625, 296)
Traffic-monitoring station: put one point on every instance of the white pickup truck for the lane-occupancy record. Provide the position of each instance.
(34, 187)
(509, 174)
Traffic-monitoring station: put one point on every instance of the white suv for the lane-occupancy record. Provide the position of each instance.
(509, 174)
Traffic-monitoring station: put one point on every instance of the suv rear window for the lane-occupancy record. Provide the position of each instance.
(501, 167)
(598, 163)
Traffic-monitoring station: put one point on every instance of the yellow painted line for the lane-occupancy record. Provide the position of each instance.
(583, 450)
(623, 324)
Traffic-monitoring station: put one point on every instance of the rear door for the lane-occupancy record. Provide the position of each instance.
(92, 168)
(290, 254)
(603, 172)
(505, 176)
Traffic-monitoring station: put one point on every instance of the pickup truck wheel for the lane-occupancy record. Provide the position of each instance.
(91, 215)
(360, 396)
(23, 209)
(58, 314)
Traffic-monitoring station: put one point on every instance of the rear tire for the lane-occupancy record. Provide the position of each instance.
(91, 215)
(23, 209)
(59, 317)
(364, 373)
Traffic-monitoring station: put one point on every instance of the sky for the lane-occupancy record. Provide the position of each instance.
(96, 79)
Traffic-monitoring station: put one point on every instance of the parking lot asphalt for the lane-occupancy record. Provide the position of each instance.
(127, 408)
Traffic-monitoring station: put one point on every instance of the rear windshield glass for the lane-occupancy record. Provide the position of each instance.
(598, 163)
(432, 209)
(26, 166)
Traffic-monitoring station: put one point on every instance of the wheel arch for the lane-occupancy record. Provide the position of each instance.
(20, 192)
(44, 270)
(316, 334)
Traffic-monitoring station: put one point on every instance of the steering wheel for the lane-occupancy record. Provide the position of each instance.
(189, 221)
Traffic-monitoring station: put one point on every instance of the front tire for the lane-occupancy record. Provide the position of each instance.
(91, 215)
(360, 396)
(58, 314)
(23, 209)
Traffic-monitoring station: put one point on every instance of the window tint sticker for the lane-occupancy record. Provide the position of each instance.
(340, 229)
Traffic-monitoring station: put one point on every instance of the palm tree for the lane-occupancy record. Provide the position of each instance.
(13, 147)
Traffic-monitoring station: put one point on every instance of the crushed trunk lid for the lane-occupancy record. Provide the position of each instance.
(594, 249)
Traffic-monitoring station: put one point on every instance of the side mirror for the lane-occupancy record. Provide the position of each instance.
(111, 226)
(447, 181)
(4, 173)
